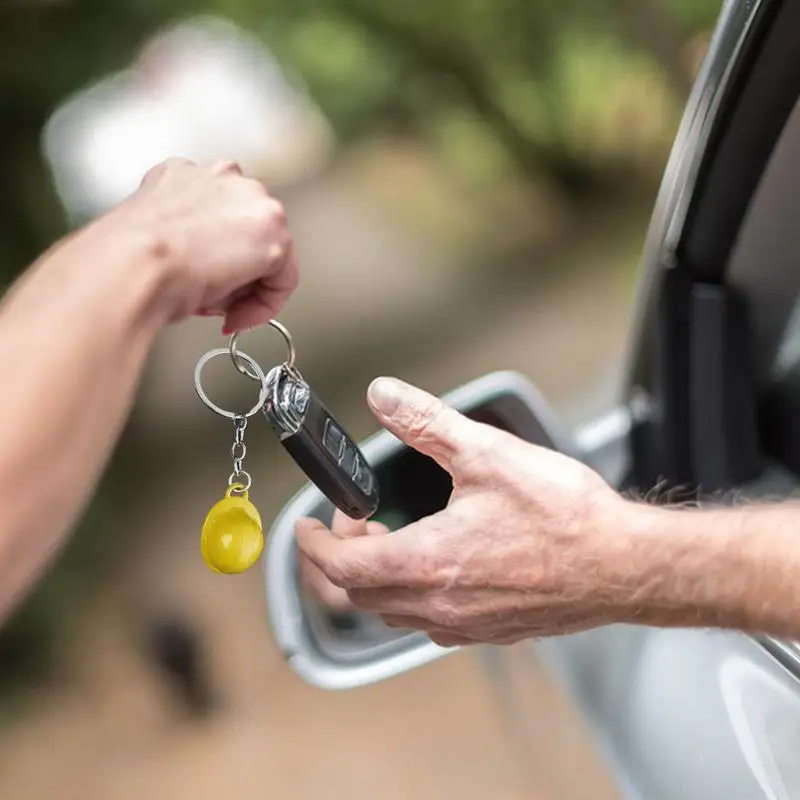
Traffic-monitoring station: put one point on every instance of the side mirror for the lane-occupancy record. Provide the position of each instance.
(334, 650)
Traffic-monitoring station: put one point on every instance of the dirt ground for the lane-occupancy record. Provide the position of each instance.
(111, 729)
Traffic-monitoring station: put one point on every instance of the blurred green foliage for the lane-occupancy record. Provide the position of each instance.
(511, 68)
(542, 90)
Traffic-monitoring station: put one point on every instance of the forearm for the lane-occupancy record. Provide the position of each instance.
(726, 567)
(75, 333)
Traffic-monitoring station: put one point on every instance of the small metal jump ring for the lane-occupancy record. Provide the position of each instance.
(241, 480)
(262, 393)
(237, 357)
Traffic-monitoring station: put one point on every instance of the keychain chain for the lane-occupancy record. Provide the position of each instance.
(239, 478)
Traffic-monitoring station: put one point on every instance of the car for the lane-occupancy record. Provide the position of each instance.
(709, 409)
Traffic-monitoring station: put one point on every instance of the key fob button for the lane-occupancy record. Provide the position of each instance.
(362, 476)
(348, 459)
(295, 395)
(319, 445)
(333, 438)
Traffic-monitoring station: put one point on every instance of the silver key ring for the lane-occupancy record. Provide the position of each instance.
(257, 372)
(237, 357)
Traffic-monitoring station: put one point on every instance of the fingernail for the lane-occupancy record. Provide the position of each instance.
(227, 330)
(202, 312)
(385, 395)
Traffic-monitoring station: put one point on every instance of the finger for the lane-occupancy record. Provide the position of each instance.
(409, 623)
(425, 423)
(246, 313)
(346, 527)
(226, 167)
(375, 528)
(321, 589)
(154, 173)
(435, 633)
(283, 275)
(265, 300)
(361, 561)
(394, 601)
(449, 640)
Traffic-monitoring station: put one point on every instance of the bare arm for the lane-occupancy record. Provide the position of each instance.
(727, 568)
(76, 330)
(73, 342)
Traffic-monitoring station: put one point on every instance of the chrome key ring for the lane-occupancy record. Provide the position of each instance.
(244, 363)
(252, 364)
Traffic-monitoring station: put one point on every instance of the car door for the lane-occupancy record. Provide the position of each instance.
(711, 410)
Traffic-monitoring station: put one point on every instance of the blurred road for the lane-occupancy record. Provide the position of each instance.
(111, 729)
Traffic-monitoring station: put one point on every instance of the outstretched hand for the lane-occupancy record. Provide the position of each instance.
(527, 546)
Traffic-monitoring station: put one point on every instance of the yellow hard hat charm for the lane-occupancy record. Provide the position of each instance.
(233, 537)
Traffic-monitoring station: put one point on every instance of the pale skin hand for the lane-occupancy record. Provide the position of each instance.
(76, 330)
(534, 544)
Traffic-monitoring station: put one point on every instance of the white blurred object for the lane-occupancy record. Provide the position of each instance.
(203, 89)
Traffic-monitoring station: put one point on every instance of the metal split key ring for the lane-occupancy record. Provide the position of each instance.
(257, 373)
(243, 362)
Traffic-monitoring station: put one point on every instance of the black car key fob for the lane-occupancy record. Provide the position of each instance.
(319, 444)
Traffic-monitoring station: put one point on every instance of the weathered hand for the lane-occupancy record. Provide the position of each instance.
(528, 545)
(221, 236)
(333, 597)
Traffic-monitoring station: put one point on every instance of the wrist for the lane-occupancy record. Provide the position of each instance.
(133, 264)
(680, 566)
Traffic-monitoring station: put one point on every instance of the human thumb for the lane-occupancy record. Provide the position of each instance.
(422, 421)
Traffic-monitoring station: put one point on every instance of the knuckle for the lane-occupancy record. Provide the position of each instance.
(292, 275)
(268, 211)
(175, 163)
(429, 568)
(165, 167)
(276, 251)
(387, 564)
(423, 420)
(280, 247)
(278, 211)
(348, 571)
(154, 173)
(226, 165)
(483, 453)
(338, 573)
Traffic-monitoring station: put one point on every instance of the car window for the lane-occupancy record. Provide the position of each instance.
(788, 353)
(780, 409)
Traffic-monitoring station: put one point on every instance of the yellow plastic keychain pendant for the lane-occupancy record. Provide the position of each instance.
(232, 536)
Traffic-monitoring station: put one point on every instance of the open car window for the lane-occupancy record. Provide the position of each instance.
(765, 269)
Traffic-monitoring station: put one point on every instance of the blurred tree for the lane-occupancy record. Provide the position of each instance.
(503, 62)
(49, 49)
(367, 61)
